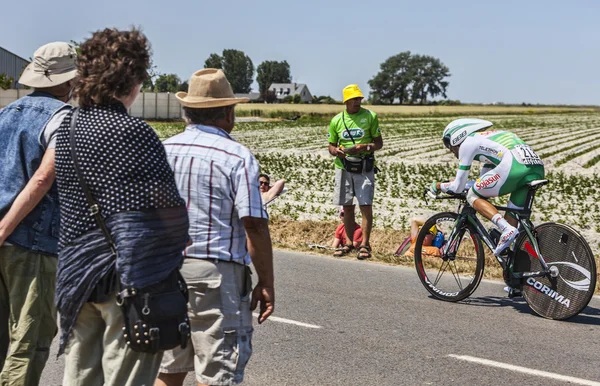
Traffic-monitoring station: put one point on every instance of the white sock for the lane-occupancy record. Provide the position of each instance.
(500, 222)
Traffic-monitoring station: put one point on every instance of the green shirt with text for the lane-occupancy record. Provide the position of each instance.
(363, 126)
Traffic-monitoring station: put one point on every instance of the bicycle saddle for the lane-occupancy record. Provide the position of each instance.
(536, 184)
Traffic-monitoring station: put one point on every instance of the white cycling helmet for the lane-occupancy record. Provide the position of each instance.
(458, 130)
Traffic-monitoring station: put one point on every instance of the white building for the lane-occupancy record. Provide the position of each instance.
(282, 90)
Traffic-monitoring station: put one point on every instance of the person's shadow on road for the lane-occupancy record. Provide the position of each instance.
(590, 315)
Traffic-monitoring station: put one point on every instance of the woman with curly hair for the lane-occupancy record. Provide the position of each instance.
(125, 167)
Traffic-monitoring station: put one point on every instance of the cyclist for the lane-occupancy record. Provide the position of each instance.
(508, 165)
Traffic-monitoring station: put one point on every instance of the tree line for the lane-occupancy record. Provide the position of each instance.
(409, 79)
(404, 78)
(239, 69)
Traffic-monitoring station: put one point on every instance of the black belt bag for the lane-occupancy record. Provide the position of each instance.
(353, 165)
(358, 165)
(156, 316)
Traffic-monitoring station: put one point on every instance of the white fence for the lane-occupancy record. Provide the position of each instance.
(148, 105)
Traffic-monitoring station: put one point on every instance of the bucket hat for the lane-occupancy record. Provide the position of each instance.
(352, 91)
(53, 64)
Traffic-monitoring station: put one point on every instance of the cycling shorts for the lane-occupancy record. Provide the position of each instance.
(509, 176)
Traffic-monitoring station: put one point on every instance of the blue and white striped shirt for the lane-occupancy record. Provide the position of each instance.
(218, 179)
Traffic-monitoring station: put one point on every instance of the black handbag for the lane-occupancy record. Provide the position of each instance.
(155, 316)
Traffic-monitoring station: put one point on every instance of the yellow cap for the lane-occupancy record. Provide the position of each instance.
(352, 91)
(433, 229)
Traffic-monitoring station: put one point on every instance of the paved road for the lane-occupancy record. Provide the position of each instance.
(378, 326)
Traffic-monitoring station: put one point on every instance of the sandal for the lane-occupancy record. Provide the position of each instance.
(364, 252)
(346, 249)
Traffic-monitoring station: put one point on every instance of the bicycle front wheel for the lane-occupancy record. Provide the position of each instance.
(570, 258)
(449, 279)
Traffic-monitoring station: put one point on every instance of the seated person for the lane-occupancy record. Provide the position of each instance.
(340, 239)
(268, 192)
(432, 242)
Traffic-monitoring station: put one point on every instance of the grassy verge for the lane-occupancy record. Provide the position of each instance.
(298, 235)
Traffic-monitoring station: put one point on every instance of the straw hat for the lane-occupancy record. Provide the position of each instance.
(53, 64)
(208, 88)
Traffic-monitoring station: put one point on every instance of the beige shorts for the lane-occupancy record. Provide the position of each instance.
(97, 354)
(349, 185)
(221, 322)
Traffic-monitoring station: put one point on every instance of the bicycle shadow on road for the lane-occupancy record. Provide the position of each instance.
(590, 315)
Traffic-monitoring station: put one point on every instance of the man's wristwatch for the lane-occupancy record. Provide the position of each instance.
(368, 147)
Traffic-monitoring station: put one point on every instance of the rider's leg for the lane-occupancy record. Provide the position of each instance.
(483, 207)
(489, 185)
(519, 190)
(518, 196)
(487, 210)
(509, 217)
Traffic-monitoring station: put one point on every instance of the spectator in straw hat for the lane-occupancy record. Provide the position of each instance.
(29, 213)
(219, 179)
(354, 136)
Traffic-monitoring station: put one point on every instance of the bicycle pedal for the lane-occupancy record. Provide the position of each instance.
(513, 292)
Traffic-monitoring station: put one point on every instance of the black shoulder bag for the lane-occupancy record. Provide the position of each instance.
(155, 316)
(356, 164)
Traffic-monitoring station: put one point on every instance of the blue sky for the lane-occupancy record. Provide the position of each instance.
(502, 51)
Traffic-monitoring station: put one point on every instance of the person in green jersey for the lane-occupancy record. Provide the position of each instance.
(509, 164)
(354, 135)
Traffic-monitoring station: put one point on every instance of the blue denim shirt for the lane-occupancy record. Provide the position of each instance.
(21, 125)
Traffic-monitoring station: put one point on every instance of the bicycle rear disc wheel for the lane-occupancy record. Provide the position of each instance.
(566, 251)
(446, 279)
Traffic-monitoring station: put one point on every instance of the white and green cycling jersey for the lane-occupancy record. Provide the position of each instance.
(508, 165)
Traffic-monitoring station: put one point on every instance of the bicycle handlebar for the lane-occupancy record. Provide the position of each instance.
(447, 196)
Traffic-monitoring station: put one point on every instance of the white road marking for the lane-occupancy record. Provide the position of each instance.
(525, 370)
(290, 321)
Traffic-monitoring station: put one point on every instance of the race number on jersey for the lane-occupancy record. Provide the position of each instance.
(526, 156)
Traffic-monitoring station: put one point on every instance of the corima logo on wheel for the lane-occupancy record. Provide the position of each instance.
(488, 182)
(356, 133)
(549, 292)
(437, 290)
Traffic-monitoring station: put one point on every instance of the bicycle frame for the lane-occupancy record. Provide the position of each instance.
(468, 217)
